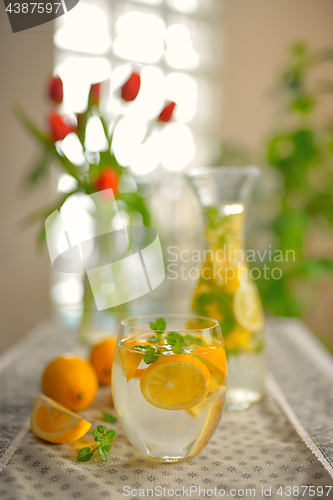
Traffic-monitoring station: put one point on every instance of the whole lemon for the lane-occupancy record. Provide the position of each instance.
(101, 358)
(71, 381)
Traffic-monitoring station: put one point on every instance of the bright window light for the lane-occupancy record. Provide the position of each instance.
(85, 29)
(72, 148)
(70, 291)
(79, 207)
(77, 74)
(147, 156)
(128, 135)
(150, 2)
(180, 52)
(182, 89)
(186, 6)
(66, 183)
(160, 40)
(177, 146)
(151, 96)
(140, 37)
(95, 136)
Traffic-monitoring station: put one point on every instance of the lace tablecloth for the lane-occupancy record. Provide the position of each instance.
(279, 448)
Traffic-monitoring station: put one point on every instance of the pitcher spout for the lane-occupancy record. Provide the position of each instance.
(224, 185)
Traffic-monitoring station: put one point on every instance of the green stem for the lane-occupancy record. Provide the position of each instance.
(86, 321)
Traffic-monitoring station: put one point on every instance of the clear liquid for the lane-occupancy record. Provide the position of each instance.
(161, 434)
(246, 376)
(227, 293)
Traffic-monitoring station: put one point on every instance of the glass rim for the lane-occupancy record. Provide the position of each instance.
(193, 172)
(170, 315)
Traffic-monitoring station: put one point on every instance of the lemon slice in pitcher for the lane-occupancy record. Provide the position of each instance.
(247, 308)
(175, 382)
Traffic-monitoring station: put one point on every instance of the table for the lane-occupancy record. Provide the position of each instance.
(279, 447)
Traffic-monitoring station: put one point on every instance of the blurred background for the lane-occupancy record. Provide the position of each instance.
(253, 84)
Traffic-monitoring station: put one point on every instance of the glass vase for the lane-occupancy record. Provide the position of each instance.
(104, 244)
(225, 290)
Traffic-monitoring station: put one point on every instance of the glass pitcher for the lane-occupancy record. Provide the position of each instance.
(226, 290)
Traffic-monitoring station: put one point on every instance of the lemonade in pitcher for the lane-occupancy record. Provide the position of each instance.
(226, 290)
(169, 384)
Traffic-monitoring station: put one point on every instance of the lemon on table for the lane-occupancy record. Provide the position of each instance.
(175, 382)
(71, 381)
(55, 423)
(101, 358)
(247, 308)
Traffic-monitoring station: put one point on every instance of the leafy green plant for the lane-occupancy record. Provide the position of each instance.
(298, 156)
(301, 150)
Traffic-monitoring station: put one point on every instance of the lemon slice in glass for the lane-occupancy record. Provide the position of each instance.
(175, 382)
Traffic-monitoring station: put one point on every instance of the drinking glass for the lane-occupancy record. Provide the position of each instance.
(169, 383)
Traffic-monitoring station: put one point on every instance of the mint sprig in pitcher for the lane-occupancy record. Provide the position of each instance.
(226, 291)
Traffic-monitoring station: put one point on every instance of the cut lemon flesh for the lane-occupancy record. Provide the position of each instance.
(132, 359)
(214, 358)
(214, 355)
(175, 382)
(247, 308)
(55, 423)
(211, 399)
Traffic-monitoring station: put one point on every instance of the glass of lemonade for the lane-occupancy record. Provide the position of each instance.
(169, 383)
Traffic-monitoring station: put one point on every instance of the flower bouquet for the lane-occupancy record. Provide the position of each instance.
(98, 170)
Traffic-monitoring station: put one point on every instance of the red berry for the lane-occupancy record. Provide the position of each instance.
(56, 90)
(166, 113)
(131, 88)
(108, 179)
(58, 128)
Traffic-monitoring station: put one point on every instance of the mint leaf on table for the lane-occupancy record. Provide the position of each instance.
(104, 453)
(109, 435)
(103, 438)
(109, 418)
(97, 435)
(84, 455)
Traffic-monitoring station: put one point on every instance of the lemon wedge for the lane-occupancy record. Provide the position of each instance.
(55, 423)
